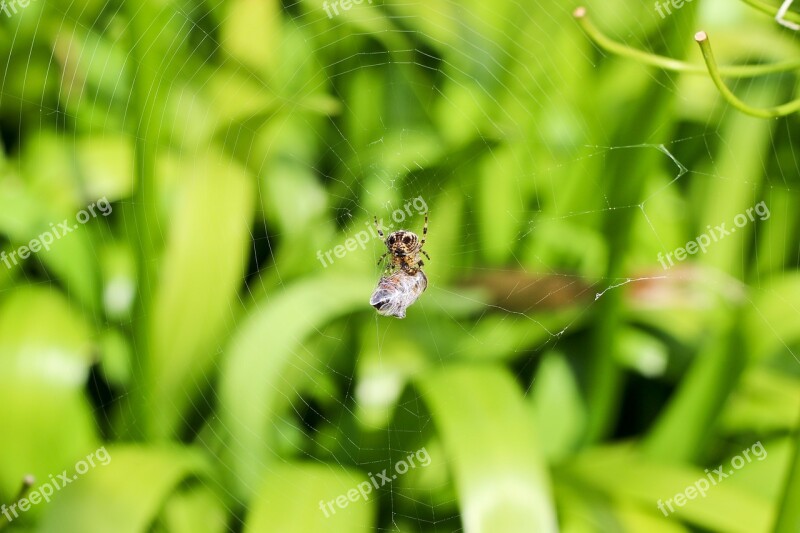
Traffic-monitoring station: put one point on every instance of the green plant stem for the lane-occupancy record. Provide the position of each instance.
(141, 217)
(772, 10)
(675, 65)
(626, 187)
(606, 378)
(682, 430)
(768, 112)
(27, 483)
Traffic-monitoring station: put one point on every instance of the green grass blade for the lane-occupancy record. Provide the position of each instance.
(202, 270)
(252, 388)
(489, 437)
(124, 495)
(295, 498)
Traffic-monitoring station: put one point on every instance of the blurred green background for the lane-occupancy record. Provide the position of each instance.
(559, 378)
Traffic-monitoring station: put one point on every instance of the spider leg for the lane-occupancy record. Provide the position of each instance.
(425, 254)
(424, 232)
(378, 228)
(382, 257)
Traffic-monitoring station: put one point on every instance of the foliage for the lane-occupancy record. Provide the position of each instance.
(560, 378)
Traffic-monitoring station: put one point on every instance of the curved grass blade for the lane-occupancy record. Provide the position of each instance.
(252, 387)
(488, 434)
(295, 498)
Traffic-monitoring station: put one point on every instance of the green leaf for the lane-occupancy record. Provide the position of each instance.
(26, 218)
(385, 364)
(195, 510)
(642, 352)
(625, 475)
(45, 354)
(202, 270)
(45, 430)
(746, 142)
(489, 437)
(105, 164)
(771, 322)
(557, 406)
(635, 519)
(788, 519)
(245, 19)
(125, 494)
(43, 340)
(765, 402)
(295, 497)
(252, 389)
(502, 203)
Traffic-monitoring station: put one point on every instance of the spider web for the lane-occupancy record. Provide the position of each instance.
(379, 173)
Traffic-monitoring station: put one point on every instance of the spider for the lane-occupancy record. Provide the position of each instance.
(403, 249)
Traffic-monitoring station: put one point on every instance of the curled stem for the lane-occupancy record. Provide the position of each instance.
(783, 15)
(769, 112)
(675, 65)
